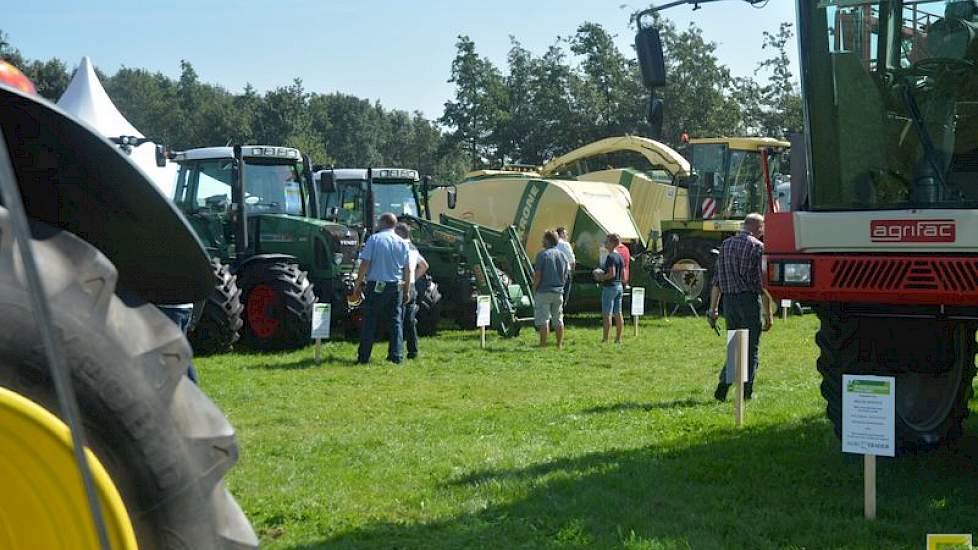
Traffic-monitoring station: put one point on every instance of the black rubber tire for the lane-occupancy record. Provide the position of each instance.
(220, 321)
(293, 310)
(429, 309)
(697, 250)
(163, 442)
(931, 405)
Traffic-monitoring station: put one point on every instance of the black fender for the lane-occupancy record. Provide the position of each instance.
(74, 179)
(264, 258)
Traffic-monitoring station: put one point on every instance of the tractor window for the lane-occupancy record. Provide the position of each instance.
(893, 108)
(345, 205)
(274, 189)
(746, 184)
(213, 182)
(396, 198)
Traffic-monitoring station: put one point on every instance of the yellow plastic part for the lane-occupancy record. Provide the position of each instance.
(42, 500)
(745, 143)
(658, 154)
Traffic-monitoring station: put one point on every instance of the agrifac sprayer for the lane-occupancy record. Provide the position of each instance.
(883, 233)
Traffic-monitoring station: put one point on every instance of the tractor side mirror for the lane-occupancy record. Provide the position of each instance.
(651, 60)
(452, 199)
(160, 156)
(326, 182)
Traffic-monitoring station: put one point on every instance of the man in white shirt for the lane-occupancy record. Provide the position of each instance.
(565, 248)
(418, 266)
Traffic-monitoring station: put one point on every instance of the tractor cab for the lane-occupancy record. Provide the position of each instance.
(730, 175)
(224, 190)
(357, 197)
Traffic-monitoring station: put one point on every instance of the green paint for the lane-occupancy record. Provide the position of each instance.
(527, 208)
(626, 179)
(869, 386)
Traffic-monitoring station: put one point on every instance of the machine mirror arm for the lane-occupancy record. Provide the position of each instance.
(694, 3)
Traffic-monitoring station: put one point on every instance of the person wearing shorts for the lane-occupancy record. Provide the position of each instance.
(550, 272)
(611, 289)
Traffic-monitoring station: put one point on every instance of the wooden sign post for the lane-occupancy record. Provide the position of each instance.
(737, 369)
(321, 314)
(868, 426)
(483, 316)
(638, 305)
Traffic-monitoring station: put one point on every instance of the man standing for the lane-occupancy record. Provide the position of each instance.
(612, 289)
(384, 279)
(738, 277)
(565, 248)
(549, 275)
(419, 266)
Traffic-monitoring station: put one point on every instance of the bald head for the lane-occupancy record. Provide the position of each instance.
(754, 224)
(387, 220)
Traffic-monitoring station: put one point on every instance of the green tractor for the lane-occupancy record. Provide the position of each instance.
(465, 259)
(254, 209)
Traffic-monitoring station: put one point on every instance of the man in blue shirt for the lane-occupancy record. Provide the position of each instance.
(383, 279)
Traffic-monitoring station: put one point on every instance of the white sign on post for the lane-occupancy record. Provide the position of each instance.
(321, 314)
(785, 304)
(868, 415)
(638, 301)
(730, 369)
(483, 311)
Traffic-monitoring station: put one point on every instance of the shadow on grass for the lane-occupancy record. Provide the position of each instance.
(771, 487)
(275, 362)
(632, 406)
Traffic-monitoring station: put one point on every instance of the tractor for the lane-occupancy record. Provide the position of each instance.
(882, 234)
(465, 259)
(254, 207)
(93, 382)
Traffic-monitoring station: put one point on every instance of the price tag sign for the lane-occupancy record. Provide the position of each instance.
(483, 311)
(868, 413)
(321, 314)
(638, 301)
(786, 303)
(730, 369)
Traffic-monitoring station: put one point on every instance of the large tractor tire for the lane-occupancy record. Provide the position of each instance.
(933, 362)
(278, 299)
(429, 310)
(690, 266)
(159, 444)
(220, 322)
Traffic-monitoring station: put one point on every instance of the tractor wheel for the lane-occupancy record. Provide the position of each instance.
(278, 301)
(160, 447)
(690, 266)
(933, 362)
(219, 324)
(429, 310)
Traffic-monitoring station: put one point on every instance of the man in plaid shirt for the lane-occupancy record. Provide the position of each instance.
(739, 279)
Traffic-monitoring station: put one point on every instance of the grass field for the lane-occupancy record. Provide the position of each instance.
(595, 446)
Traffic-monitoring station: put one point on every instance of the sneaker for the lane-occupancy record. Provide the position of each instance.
(721, 392)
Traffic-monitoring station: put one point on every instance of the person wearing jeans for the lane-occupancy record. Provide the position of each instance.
(612, 289)
(419, 266)
(181, 315)
(738, 278)
(384, 278)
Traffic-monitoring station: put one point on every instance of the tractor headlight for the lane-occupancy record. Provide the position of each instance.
(337, 258)
(799, 273)
(789, 272)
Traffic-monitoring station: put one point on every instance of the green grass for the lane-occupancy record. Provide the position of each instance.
(595, 446)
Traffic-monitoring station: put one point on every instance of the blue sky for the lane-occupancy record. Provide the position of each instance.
(396, 51)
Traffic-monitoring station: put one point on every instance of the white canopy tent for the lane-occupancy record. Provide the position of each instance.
(86, 99)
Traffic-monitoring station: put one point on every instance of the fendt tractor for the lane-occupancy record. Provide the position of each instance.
(465, 259)
(882, 236)
(85, 359)
(684, 206)
(255, 207)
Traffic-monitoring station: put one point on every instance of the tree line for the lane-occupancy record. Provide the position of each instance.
(583, 88)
